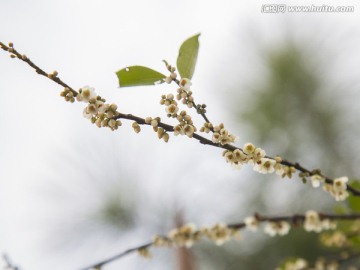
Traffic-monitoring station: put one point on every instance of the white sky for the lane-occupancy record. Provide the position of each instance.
(86, 42)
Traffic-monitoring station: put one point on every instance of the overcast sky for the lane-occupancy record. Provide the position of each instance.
(86, 42)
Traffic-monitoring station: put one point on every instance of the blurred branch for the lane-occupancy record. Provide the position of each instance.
(118, 256)
(167, 241)
(9, 265)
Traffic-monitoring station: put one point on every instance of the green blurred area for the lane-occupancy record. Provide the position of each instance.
(290, 112)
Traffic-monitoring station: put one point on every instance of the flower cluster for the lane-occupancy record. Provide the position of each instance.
(236, 158)
(317, 180)
(338, 188)
(271, 228)
(313, 222)
(68, 95)
(154, 122)
(322, 264)
(185, 95)
(256, 157)
(265, 165)
(171, 105)
(97, 110)
(187, 235)
(222, 135)
(336, 239)
(136, 127)
(221, 233)
(207, 127)
(185, 126)
(173, 74)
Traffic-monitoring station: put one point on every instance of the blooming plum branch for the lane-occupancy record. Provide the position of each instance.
(107, 115)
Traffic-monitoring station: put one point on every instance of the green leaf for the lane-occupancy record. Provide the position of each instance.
(354, 201)
(188, 53)
(139, 75)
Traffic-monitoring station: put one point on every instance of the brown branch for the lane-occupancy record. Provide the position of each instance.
(23, 57)
(166, 127)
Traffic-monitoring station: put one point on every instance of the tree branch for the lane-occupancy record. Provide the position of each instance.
(53, 76)
(294, 220)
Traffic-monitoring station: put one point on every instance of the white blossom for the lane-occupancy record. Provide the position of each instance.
(252, 223)
(265, 165)
(316, 180)
(86, 93)
(280, 228)
(312, 222)
(338, 188)
(185, 84)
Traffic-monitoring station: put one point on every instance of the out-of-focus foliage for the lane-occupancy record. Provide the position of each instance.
(288, 113)
(354, 201)
(115, 211)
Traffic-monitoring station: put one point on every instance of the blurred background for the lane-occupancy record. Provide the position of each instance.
(72, 194)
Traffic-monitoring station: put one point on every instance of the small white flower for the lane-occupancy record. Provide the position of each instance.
(185, 84)
(220, 233)
(87, 93)
(265, 165)
(189, 130)
(316, 180)
(172, 109)
(222, 135)
(183, 236)
(312, 222)
(251, 223)
(102, 108)
(248, 148)
(338, 189)
(86, 114)
(339, 184)
(327, 224)
(280, 228)
(284, 227)
(270, 229)
(341, 195)
(259, 154)
(279, 169)
(229, 156)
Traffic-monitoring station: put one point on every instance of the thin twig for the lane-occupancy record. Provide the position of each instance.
(9, 264)
(203, 114)
(117, 256)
